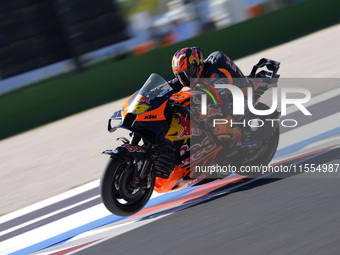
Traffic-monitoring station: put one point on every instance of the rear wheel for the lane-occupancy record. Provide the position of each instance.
(269, 145)
(118, 196)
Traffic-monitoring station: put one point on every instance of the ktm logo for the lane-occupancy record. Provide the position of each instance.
(149, 117)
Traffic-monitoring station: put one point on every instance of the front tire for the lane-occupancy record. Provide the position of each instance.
(117, 194)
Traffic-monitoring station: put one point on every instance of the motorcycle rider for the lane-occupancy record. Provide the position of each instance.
(188, 63)
(188, 66)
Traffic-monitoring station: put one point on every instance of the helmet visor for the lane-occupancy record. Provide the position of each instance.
(185, 76)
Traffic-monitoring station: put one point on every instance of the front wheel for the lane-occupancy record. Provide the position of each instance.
(118, 196)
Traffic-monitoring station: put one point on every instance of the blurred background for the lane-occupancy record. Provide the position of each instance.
(53, 36)
(78, 54)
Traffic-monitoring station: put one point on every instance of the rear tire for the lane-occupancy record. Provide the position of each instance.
(117, 194)
(265, 158)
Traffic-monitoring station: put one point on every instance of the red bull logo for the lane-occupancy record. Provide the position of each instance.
(194, 56)
(213, 112)
(189, 128)
(181, 128)
(144, 100)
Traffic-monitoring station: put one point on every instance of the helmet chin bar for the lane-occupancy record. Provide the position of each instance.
(199, 73)
(183, 78)
(190, 73)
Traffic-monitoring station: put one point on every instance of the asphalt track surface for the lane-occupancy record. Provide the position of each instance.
(296, 214)
(62, 155)
(281, 215)
(319, 110)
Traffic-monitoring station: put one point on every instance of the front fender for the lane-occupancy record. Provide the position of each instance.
(127, 150)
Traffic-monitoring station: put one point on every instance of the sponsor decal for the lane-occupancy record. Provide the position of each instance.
(196, 100)
(186, 103)
(140, 108)
(179, 97)
(205, 147)
(165, 91)
(194, 56)
(214, 112)
(252, 145)
(134, 148)
(143, 99)
(189, 128)
(150, 117)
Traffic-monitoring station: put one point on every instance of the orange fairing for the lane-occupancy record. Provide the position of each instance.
(154, 115)
(140, 109)
(180, 124)
(176, 181)
(180, 97)
(125, 105)
(165, 185)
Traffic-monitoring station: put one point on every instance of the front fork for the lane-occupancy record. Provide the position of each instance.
(142, 168)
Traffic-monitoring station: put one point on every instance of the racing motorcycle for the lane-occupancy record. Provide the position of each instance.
(159, 118)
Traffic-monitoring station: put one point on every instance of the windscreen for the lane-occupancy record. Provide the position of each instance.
(153, 88)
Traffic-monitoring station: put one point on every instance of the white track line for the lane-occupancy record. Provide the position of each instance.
(317, 99)
(49, 201)
(77, 219)
(310, 130)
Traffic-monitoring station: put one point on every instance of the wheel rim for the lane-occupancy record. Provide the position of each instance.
(124, 195)
(127, 192)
